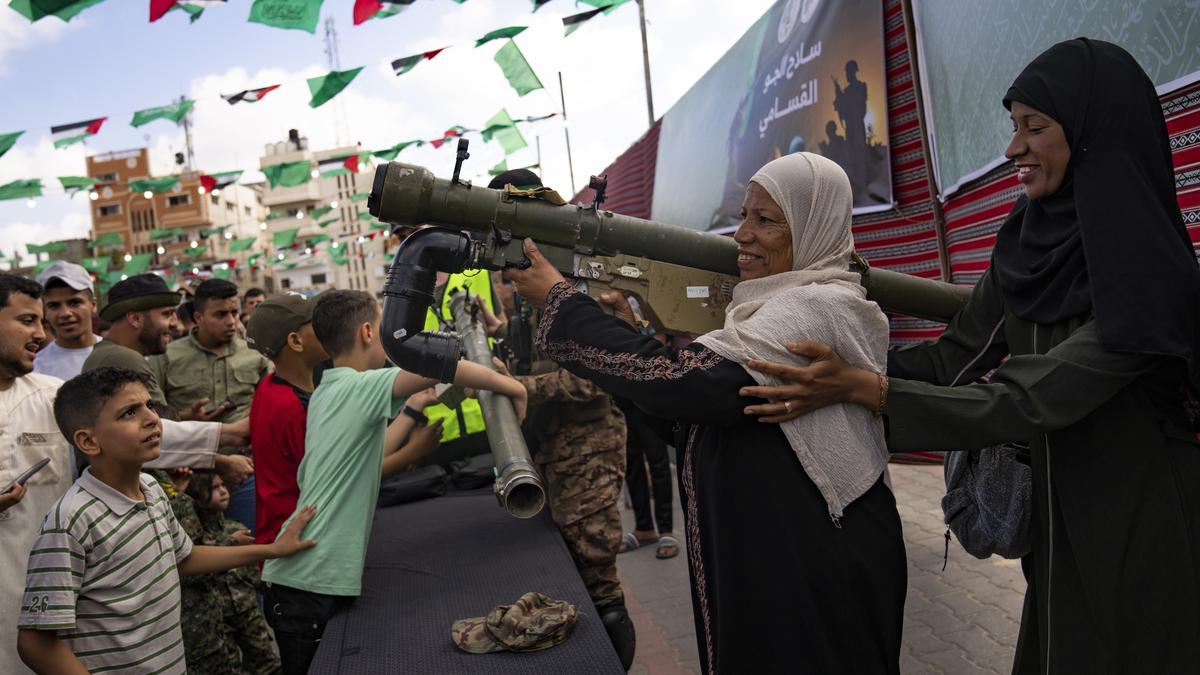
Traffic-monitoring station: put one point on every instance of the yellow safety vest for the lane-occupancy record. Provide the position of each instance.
(477, 282)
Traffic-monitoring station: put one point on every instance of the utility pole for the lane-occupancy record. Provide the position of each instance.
(646, 60)
(187, 135)
(562, 97)
(335, 63)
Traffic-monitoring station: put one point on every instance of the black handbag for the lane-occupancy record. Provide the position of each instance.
(988, 500)
(411, 486)
(474, 472)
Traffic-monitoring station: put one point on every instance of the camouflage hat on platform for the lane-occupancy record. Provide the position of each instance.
(274, 319)
(534, 622)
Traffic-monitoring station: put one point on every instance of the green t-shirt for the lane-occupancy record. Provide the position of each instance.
(343, 457)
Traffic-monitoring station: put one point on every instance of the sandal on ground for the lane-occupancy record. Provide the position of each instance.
(630, 541)
(668, 547)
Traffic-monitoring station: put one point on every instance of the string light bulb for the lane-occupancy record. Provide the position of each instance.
(148, 194)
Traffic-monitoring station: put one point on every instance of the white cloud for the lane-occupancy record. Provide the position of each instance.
(40, 227)
(16, 33)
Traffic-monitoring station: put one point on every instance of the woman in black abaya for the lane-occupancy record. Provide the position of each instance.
(1094, 291)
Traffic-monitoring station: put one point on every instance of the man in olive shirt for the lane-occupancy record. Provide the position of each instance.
(142, 312)
(214, 371)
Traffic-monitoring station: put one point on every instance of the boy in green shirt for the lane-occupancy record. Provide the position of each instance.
(345, 443)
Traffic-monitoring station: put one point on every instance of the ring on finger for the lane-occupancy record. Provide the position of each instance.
(787, 405)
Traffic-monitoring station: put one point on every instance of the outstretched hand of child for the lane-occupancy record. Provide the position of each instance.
(289, 541)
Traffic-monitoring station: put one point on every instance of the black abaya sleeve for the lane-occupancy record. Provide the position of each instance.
(1028, 395)
(693, 385)
(972, 345)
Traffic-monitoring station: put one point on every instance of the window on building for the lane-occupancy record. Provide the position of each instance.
(179, 200)
(229, 206)
(109, 209)
(318, 279)
(216, 199)
(247, 210)
(285, 283)
(107, 177)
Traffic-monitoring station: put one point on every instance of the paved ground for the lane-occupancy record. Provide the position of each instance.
(963, 620)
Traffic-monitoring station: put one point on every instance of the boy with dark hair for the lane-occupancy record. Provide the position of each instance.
(251, 300)
(102, 587)
(69, 302)
(344, 447)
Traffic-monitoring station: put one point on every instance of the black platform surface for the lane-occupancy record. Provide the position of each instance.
(433, 562)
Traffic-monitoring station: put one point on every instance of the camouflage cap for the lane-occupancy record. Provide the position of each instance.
(534, 622)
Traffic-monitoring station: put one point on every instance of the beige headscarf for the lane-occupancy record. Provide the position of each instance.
(841, 447)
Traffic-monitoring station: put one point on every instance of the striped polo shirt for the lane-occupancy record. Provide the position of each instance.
(102, 574)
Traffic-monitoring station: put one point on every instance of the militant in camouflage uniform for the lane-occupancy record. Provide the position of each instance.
(221, 622)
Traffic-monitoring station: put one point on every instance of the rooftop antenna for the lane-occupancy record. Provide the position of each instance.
(335, 63)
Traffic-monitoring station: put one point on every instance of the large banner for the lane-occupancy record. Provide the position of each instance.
(970, 51)
(808, 76)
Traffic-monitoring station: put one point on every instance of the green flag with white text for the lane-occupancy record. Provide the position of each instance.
(288, 14)
(288, 174)
(8, 140)
(325, 87)
(155, 185)
(172, 111)
(516, 69)
(19, 189)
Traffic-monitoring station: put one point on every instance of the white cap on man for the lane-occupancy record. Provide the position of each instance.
(69, 273)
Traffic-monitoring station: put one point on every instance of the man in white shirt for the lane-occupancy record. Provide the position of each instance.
(69, 301)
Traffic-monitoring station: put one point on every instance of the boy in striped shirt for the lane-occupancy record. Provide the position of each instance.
(102, 588)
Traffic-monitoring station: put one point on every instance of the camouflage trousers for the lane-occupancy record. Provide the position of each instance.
(229, 637)
(593, 541)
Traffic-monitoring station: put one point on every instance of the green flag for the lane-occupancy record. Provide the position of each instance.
(327, 223)
(390, 153)
(325, 87)
(172, 111)
(340, 260)
(360, 197)
(222, 272)
(19, 189)
(288, 174)
(73, 184)
(138, 264)
(66, 10)
(365, 215)
(97, 265)
(516, 69)
(502, 128)
(499, 168)
(8, 140)
(382, 227)
(52, 247)
(318, 212)
(318, 238)
(107, 239)
(285, 238)
(606, 6)
(289, 14)
(113, 276)
(508, 32)
(159, 235)
(242, 244)
(42, 265)
(195, 252)
(276, 215)
(155, 185)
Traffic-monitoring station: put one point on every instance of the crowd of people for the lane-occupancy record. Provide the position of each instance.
(180, 459)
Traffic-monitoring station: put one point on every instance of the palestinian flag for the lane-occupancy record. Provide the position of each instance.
(402, 66)
(249, 95)
(337, 166)
(452, 132)
(390, 153)
(72, 185)
(218, 181)
(66, 10)
(8, 140)
(70, 134)
(172, 111)
(378, 9)
(194, 8)
(573, 22)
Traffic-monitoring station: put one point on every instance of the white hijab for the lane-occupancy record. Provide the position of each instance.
(841, 447)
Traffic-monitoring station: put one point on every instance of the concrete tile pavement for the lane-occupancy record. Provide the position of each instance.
(959, 621)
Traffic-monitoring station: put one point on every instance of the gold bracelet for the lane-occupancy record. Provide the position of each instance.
(883, 394)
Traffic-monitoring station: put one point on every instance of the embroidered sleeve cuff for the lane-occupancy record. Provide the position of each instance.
(558, 293)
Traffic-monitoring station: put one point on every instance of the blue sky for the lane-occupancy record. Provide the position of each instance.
(111, 61)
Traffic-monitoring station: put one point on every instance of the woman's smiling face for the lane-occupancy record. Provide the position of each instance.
(1039, 149)
(764, 237)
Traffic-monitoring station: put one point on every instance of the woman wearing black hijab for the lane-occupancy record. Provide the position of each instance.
(1094, 291)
